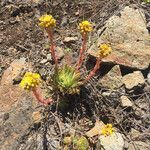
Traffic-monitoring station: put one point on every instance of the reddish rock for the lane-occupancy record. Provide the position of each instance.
(17, 107)
(129, 39)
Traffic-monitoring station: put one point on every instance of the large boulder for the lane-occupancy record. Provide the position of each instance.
(129, 38)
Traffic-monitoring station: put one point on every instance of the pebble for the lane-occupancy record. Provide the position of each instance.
(70, 39)
(133, 80)
(43, 61)
(148, 77)
(64, 21)
(49, 57)
(125, 102)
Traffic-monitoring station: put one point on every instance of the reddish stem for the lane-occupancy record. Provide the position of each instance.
(82, 50)
(52, 48)
(92, 72)
(39, 97)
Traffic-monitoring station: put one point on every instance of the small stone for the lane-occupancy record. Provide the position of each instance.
(134, 133)
(43, 73)
(12, 22)
(112, 79)
(43, 61)
(125, 102)
(49, 57)
(133, 80)
(106, 94)
(111, 142)
(70, 39)
(126, 145)
(36, 117)
(148, 77)
(64, 21)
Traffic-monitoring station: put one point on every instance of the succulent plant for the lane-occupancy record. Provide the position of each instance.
(68, 80)
(81, 143)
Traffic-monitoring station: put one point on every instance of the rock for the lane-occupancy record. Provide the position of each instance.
(112, 142)
(139, 145)
(36, 117)
(129, 39)
(64, 21)
(70, 39)
(133, 80)
(14, 70)
(43, 61)
(134, 133)
(49, 57)
(9, 92)
(112, 79)
(16, 107)
(148, 77)
(125, 102)
(106, 94)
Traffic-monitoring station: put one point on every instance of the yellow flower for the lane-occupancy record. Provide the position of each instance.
(30, 80)
(104, 50)
(85, 27)
(107, 129)
(47, 21)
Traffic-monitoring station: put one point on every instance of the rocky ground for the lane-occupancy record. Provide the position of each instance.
(119, 94)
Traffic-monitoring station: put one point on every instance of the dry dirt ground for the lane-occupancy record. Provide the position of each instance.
(20, 37)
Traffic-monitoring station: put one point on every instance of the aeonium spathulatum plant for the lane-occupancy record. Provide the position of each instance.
(68, 79)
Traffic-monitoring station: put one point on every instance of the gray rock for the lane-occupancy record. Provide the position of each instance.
(64, 21)
(133, 80)
(112, 142)
(129, 39)
(112, 79)
(125, 102)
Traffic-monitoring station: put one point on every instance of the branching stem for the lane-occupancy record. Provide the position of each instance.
(92, 72)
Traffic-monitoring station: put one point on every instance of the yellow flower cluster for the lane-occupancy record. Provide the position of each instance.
(85, 27)
(104, 50)
(47, 21)
(30, 80)
(107, 129)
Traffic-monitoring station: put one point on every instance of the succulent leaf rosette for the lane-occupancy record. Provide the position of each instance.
(68, 80)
